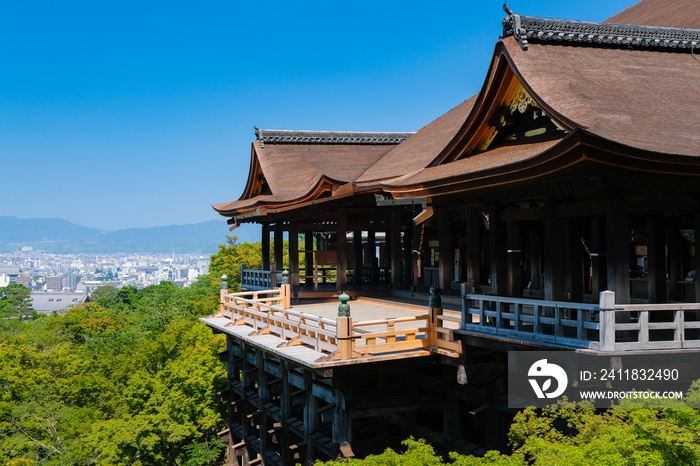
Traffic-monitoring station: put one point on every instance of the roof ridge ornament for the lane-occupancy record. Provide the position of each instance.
(532, 28)
(283, 136)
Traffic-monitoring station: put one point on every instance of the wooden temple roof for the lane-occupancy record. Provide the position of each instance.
(552, 85)
(674, 14)
(296, 166)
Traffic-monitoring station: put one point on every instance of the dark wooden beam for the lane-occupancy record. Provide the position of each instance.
(574, 257)
(498, 249)
(279, 248)
(656, 256)
(473, 252)
(293, 255)
(308, 258)
(514, 255)
(553, 256)
(395, 238)
(598, 257)
(342, 270)
(372, 258)
(265, 247)
(357, 257)
(617, 231)
(445, 248)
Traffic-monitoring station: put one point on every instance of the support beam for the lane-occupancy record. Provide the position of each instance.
(514, 257)
(696, 265)
(535, 242)
(473, 253)
(445, 248)
(293, 255)
(342, 241)
(675, 259)
(372, 258)
(357, 258)
(395, 240)
(598, 257)
(279, 248)
(553, 256)
(308, 258)
(618, 231)
(498, 251)
(574, 258)
(656, 256)
(265, 247)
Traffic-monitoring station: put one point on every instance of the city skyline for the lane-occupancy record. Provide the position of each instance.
(137, 115)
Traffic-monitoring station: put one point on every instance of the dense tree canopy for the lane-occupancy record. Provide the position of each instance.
(15, 302)
(132, 378)
(129, 379)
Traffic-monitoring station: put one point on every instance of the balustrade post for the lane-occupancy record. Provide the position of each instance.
(244, 278)
(435, 306)
(223, 291)
(467, 318)
(607, 320)
(286, 290)
(344, 328)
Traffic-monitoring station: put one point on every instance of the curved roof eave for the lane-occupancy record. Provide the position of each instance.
(577, 149)
(502, 64)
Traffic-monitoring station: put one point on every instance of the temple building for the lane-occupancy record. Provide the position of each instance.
(574, 171)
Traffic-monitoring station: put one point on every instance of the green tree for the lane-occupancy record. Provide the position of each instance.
(16, 302)
(227, 261)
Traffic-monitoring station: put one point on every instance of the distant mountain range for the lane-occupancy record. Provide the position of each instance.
(63, 237)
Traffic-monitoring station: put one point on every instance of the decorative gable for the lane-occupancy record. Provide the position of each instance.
(507, 112)
(519, 119)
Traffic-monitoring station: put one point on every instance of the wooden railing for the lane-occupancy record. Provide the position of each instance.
(527, 320)
(259, 310)
(651, 326)
(264, 311)
(255, 279)
(605, 326)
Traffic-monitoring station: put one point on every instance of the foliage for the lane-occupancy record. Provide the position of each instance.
(578, 434)
(227, 261)
(15, 302)
(131, 378)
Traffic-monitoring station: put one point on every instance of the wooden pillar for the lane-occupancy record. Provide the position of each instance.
(598, 258)
(445, 248)
(535, 248)
(279, 247)
(265, 247)
(395, 239)
(310, 417)
(473, 253)
(342, 241)
(285, 411)
(407, 257)
(514, 256)
(574, 259)
(294, 255)
(264, 397)
(553, 256)
(498, 249)
(617, 233)
(342, 427)
(308, 258)
(656, 256)
(675, 259)
(372, 258)
(417, 256)
(357, 261)
(696, 265)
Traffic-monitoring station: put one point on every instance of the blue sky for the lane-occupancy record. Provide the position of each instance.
(139, 114)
